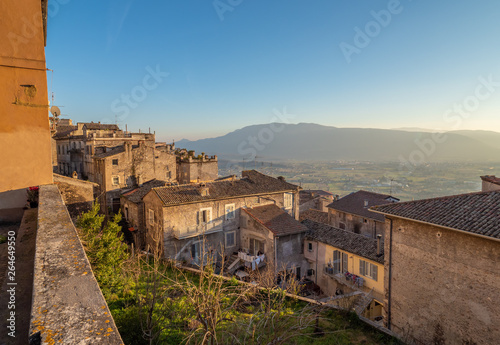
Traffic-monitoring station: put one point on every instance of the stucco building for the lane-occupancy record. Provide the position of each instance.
(352, 213)
(345, 264)
(180, 219)
(24, 106)
(442, 272)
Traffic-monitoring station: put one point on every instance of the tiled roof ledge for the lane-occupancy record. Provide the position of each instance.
(68, 306)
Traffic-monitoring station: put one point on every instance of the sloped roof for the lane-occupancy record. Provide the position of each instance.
(101, 126)
(279, 222)
(64, 130)
(137, 194)
(252, 183)
(112, 152)
(345, 240)
(477, 213)
(355, 203)
(315, 215)
(491, 179)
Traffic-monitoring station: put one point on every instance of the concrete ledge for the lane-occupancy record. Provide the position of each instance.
(68, 306)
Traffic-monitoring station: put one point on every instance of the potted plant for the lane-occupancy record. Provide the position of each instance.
(33, 196)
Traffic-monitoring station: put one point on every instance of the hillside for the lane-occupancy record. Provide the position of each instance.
(308, 142)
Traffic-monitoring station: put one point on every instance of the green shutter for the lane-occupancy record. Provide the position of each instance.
(374, 272)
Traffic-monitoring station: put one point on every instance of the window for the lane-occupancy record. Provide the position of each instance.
(230, 239)
(115, 161)
(365, 220)
(168, 175)
(195, 251)
(256, 246)
(368, 269)
(151, 217)
(116, 180)
(310, 246)
(205, 215)
(336, 261)
(342, 216)
(342, 226)
(288, 200)
(58, 149)
(230, 214)
(345, 262)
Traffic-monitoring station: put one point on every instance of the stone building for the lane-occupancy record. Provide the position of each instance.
(315, 199)
(24, 110)
(132, 208)
(490, 183)
(271, 231)
(180, 219)
(352, 213)
(78, 195)
(344, 264)
(128, 166)
(442, 272)
(76, 145)
(193, 169)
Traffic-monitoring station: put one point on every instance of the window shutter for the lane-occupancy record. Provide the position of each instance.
(345, 259)
(252, 246)
(362, 268)
(374, 272)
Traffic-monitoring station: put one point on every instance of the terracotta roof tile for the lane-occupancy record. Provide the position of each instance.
(355, 203)
(478, 213)
(315, 215)
(345, 240)
(275, 219)
(252, 183)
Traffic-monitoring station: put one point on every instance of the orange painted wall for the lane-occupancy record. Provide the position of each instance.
(25, 147)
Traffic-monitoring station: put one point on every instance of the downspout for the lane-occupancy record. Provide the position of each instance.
(275, 254)
(316, 272)
(390, 279)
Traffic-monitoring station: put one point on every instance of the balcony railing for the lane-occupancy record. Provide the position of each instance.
(197, 230)
(352, 281)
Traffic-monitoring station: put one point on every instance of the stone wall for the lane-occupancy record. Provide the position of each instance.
(445, 285)
(68, 306)
(78, 195)
(357, 224)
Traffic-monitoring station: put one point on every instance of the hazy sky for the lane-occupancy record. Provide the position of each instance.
(200, 68)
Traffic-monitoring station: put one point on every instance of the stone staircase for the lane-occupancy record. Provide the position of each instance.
(231, 264)
(363, 303)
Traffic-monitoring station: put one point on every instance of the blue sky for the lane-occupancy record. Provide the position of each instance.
(201, 68)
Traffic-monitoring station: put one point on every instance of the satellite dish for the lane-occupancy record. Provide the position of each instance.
(55, 110)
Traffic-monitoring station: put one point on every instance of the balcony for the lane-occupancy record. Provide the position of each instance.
(352, 281)
(198, 230)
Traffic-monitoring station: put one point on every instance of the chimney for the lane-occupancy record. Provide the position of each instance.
(281, 178)
(379, 236)
(203, 189)
(366, 203)
(336, 197)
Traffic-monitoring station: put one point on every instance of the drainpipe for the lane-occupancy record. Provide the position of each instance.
(390, 278)
(316, 272)
(275, 253)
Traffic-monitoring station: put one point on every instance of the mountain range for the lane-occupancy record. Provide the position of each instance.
(313, 142)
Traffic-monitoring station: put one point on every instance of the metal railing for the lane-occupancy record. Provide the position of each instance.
(197, 230)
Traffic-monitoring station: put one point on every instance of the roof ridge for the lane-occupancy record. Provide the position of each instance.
(446, 197)
(343, 230)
